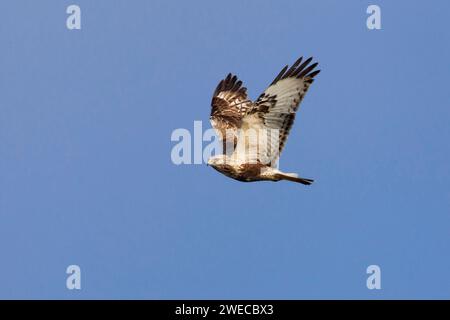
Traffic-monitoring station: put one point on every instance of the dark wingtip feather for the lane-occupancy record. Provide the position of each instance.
(313, 74)
(307, 70)
(298, 70)
(292, 68)
(231, 83)
(280, 75)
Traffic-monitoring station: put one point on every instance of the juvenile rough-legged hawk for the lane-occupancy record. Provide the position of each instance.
(254, 133)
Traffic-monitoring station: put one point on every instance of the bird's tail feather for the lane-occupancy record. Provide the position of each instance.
(294, 178)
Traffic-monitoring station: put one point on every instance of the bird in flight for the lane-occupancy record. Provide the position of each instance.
(253, 134)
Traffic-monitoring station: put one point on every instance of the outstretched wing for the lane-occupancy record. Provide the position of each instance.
(228, 105)
(275, 110)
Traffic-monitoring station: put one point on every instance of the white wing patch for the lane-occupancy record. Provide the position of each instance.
(266, 125)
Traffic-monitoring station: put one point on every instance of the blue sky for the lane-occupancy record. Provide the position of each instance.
(86, 176)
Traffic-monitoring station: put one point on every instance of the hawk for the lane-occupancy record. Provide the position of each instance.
(253, 134)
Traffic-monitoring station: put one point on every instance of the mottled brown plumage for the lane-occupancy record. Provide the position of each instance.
(228, 105)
